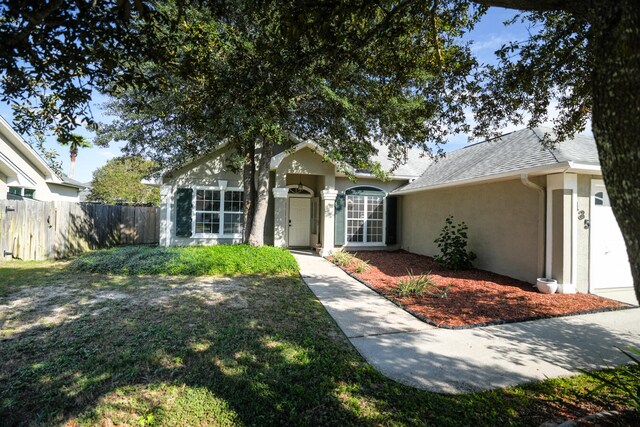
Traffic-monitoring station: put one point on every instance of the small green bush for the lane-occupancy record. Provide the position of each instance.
(362, 266)
(452, 242)
(189, 260)
(342, 258)
(419, 286)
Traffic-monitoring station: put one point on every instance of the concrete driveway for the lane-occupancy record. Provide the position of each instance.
(459, 361)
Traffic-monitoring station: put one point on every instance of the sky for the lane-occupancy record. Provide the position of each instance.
(489, 35)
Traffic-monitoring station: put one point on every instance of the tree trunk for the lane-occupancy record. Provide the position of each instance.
(615, 44)
(249, 183)
(256, 238)
(73, 154)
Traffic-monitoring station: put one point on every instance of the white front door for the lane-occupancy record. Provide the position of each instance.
(299, 221)
(609, 262)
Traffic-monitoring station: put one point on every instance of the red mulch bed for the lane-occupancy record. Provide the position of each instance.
(475, 297)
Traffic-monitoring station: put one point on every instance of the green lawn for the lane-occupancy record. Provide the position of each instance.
(191, 260)
(94, 349)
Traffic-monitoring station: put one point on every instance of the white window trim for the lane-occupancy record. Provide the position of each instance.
(22, 189)
(195, 235)
(347, 243)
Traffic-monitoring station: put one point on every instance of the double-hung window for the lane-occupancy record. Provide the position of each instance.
(218, 212)
(365, 216)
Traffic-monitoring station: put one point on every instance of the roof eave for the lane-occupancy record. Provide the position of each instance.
(67, 184)
(28, 151)
(539, 170)
(585, 168)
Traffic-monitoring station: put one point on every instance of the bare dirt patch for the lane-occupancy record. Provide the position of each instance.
(474, 297)
(94, 295)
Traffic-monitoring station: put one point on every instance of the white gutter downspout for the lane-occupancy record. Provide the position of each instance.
(541, 224)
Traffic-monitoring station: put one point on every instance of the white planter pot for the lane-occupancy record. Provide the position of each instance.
(547, 286)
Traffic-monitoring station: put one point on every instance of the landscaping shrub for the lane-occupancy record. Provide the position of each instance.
(191, 260)
(452, 242)
(342, 258)
(362, 266)
(419, 286)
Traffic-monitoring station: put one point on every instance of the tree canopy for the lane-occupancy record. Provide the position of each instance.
(119, 181)
(240, 73)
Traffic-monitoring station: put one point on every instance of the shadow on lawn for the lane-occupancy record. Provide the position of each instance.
(263, 362)
(12, 276)
(278, 359)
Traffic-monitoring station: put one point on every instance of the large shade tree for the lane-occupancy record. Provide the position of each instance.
(585, 54)
(241, 75)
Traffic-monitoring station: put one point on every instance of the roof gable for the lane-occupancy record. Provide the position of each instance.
(412, 168)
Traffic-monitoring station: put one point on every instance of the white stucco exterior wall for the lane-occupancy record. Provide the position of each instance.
(20, 166)
(4, 188)
(63, 193)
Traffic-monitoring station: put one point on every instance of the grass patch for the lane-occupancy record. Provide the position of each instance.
(190, 260)
(242, 350)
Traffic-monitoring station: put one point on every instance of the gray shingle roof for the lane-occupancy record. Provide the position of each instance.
(66, 180)
(413, 167)
(512, 152)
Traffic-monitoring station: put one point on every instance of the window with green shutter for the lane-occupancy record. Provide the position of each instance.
(392, 221)
(213, 212)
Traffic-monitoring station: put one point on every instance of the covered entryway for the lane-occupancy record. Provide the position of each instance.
(299, 221)
(609, 263)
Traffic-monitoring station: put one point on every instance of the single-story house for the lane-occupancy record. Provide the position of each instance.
(24, 174)
(532, 211)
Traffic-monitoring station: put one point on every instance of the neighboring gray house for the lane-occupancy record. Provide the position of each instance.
(23, 173)
(532, 212)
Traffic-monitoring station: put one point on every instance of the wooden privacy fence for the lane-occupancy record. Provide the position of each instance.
(33, 230)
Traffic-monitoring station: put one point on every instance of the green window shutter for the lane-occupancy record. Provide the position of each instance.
(392, 221)
(339, 220)
(184, 204)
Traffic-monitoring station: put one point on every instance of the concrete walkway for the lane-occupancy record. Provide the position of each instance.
(458, 361)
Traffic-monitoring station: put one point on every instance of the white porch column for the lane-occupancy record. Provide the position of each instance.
(562, 235)
(280, 216)
(328, 196)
